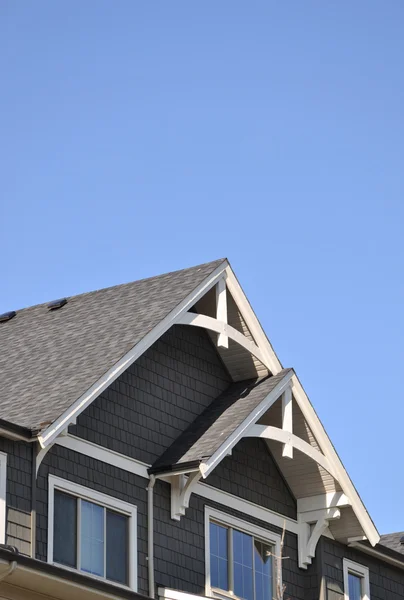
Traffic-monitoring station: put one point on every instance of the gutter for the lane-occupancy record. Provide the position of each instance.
(16, 432)
(24, 565)
(381, 552)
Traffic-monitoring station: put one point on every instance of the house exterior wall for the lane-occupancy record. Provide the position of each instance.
(144, 411)
(252, 474)
(139, 416)
(386, 581)
(18, 494)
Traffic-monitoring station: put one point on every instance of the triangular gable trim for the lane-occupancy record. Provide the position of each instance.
(68, 417)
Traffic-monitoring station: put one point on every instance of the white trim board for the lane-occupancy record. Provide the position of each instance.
(201, 489)
(349, 566)
(271, 538)
(104, 455)
(3, 489)
(79, 491)
(240, 431)
(51, 432)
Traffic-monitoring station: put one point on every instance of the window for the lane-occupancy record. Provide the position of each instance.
(3, 485)
(91, 532)
(239, 558)
(356, 581)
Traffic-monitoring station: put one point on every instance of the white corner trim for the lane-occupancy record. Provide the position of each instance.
(240, 431)
(130, 510)
(49, 434)
(271, 538)
(245, 506)
(104, 455)
(3, 489)
(340, 473)
(349, 566)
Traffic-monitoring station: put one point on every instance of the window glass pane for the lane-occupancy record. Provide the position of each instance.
(117, 547)
(92, 538)
(242, 559)
(65, 529)
(355, 587)
(218, 556)
(263, 571)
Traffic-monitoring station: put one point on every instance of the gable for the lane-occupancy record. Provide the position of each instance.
(251, 473)
(143, 411)
(49, 358)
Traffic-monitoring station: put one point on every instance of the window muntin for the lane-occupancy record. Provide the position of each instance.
(356, 581)
(240, 563)
(92, 532)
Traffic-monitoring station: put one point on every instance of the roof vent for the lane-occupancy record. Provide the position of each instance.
(402, 540)
(57, 303)
(7, 316)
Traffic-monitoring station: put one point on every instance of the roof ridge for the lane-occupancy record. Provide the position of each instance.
(127, 283)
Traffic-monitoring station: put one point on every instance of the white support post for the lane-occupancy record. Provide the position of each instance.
(221, 311)
(287, 420)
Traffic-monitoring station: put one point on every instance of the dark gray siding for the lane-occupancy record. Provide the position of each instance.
(180, 546)
(151, 404)
(251, 473)
(99, 476)
(386, 582)
(18, 499)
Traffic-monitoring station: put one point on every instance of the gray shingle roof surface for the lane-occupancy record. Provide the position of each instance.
(48, 359)
(208, 432)
(392, 541)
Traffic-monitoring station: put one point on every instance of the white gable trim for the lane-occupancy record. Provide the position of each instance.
(51, 432)
(241, 430)
(338, 468)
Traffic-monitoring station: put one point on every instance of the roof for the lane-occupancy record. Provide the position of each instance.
(217, 423)
(392, 541)
(49, 358)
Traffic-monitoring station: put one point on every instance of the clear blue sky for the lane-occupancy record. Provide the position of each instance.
(143, 137)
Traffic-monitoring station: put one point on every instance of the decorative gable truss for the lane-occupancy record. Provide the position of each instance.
(220, 306)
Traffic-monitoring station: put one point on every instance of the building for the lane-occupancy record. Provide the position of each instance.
(152, 444)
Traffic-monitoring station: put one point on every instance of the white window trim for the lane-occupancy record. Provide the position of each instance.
(3, 489)
(57, 483)
(259, 532)
(354, 568)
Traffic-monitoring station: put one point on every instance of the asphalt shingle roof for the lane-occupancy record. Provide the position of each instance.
(222, 417)
(48, 359)
(392, 541)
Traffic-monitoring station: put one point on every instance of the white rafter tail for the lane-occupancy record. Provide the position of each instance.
(221, 311)
(287, 420)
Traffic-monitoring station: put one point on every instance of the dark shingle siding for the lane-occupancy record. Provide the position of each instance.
(149, 405)
(386, 581)
(49, 359)
(180, 546)
(251, 473)
(18, 496)
(99, 476)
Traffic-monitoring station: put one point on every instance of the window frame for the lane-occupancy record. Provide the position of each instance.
(353, 568)
(3, 499)
(222, 518)
(108, 502)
